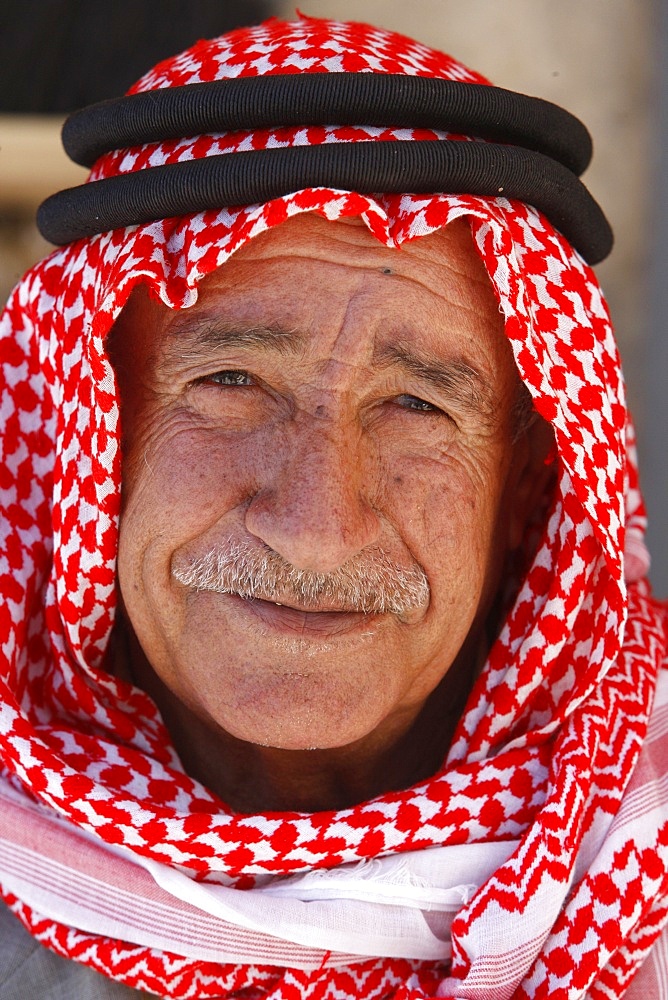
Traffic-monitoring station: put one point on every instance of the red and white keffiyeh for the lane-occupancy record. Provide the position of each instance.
(549, 817)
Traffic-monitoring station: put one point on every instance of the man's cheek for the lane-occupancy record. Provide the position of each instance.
(187, 472)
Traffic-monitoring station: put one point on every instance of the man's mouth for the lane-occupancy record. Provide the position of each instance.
(320, 621)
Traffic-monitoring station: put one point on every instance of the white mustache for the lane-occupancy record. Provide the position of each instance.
(371, 583)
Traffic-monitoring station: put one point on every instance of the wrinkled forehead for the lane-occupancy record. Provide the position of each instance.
(443, 264)
(316, 290)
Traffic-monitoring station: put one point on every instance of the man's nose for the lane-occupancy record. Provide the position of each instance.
(315, 512)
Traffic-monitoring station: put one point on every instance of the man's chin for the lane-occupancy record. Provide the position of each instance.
(300, 709)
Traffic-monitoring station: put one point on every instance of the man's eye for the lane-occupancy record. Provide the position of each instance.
(230, 377)
(415, 403)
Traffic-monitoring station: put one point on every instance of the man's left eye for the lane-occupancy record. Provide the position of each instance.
(409, 402)
(230, 377)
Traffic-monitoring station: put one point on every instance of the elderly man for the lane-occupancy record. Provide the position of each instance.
(355, 687)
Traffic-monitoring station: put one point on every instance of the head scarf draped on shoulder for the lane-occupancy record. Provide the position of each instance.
(548, 815)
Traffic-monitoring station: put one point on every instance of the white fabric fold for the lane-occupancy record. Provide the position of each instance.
(400, 906)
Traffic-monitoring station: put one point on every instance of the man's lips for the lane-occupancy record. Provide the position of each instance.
(285, 618)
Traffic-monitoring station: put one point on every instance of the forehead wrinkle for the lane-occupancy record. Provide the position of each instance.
(454, 378)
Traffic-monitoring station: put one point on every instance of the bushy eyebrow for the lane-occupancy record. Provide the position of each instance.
(202, 335)
(453, 379)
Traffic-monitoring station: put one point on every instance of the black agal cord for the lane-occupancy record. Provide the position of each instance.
(538, 152)
(377, 99)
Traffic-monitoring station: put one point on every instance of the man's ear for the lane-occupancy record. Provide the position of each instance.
(535, 454)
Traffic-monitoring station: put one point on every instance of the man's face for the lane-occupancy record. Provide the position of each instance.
(345, 410)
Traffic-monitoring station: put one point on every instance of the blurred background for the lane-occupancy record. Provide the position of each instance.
(604, 60)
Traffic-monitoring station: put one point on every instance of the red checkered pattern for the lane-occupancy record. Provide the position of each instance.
(554, 727)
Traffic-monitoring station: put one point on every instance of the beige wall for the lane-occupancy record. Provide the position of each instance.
(33, 165)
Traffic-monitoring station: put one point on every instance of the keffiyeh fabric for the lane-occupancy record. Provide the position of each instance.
(557, 771)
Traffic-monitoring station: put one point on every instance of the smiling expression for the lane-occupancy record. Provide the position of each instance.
(330, 408)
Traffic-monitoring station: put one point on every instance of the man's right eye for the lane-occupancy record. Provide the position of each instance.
(229, 377)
